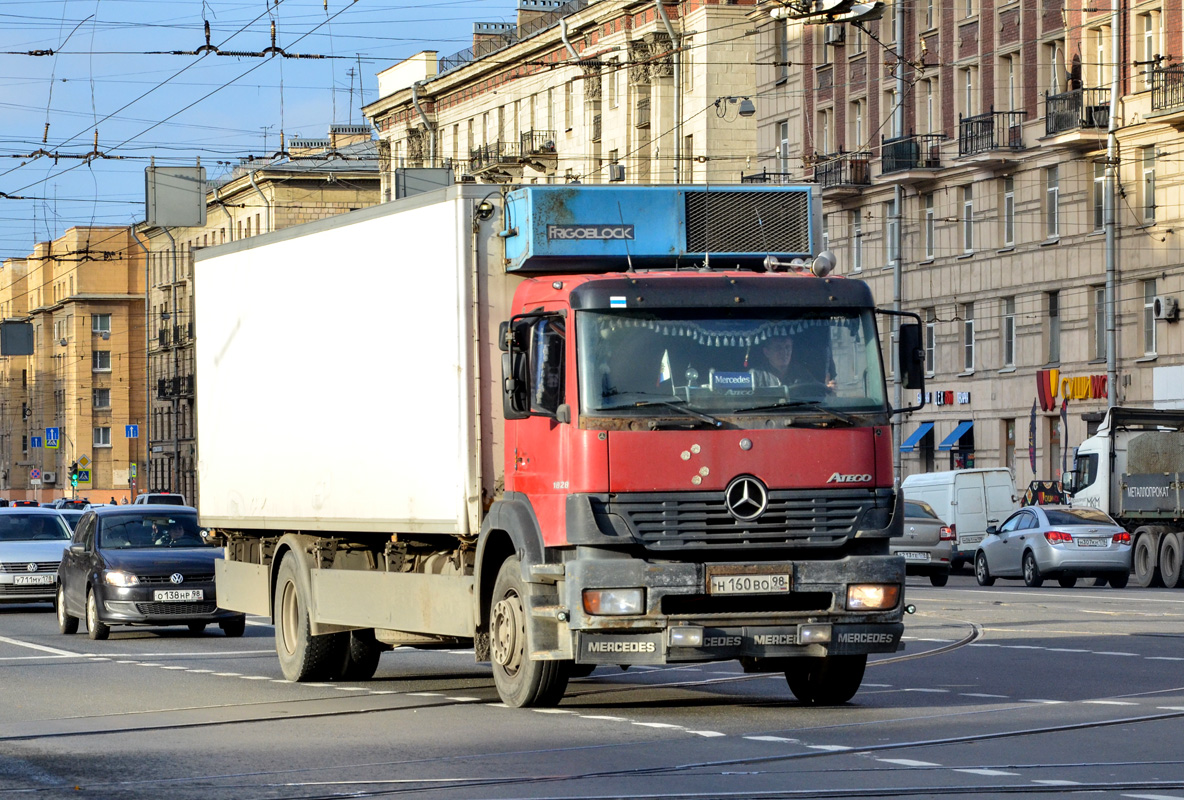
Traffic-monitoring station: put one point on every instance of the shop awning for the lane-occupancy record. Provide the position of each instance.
(910, 444)
(949, 442)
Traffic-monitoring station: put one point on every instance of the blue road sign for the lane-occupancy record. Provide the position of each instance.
(131, 431)
(51, 437)
(34, 441)
(84, 476)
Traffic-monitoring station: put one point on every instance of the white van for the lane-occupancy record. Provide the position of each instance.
(968, 500)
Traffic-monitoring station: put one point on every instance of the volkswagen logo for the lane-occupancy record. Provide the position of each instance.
(176, 577)
(31, 567)
(746, 498)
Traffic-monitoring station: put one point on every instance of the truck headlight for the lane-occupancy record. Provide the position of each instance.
(614, 602)
(872, 596)
(120, 578)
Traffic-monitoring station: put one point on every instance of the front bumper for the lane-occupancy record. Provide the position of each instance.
(140, 606)
(12, 592)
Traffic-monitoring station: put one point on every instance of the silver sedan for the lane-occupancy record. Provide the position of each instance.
(1039, 542)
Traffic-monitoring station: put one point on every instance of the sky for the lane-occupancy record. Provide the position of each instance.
(106, 65)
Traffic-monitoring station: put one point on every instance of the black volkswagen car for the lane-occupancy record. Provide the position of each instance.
(140, 565)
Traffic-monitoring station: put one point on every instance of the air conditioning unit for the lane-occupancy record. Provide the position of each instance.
(834, 34)
(1166, 308)
(49, 477)
(616, 173)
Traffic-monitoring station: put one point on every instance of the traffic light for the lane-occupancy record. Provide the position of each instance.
(74, 474)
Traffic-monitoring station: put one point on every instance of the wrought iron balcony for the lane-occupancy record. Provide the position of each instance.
(537, 143)
(844, 169)
(494, 155)
(995, 130)
(1167, 88)
(764, 176)
(1076, 109)
(919, 151)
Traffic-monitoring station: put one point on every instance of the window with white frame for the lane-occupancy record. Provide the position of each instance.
(890, 128)
(856, 240)
(781, 42)
(569, 104)
(1098, 294)
(968, 97)
(969, 9)
(1098, 197)
(101, 397)
(783, 146)
(100, 323)
(1053, 307)
(100, 360)
(825, 134)
(968, 337)
(1147, 183)
(930, 7)
(822, 47)
(1149, 343)
(858, 110)
(1009, 69)
(930, 341)
(1008, 331)
(856, 37)
(930, 112)
(826, 231)
(1054, 66)
(1052, 202)
(891, 229)
(1008, 211)
(930, 231)
(1100, 66)
(614, 84)
(968, 219)
(102, 436)
(1149, 45)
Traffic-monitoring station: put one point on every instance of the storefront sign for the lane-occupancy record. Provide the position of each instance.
(1050, 385)
(941, 398)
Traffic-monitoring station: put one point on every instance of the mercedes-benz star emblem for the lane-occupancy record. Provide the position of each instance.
(176, 577)
(746, 498)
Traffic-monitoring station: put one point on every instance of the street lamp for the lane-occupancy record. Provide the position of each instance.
(746, 107)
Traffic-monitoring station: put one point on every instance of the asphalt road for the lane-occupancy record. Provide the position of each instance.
(1001, 691)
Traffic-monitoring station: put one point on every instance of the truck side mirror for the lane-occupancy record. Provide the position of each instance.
(515, 386)
(912, 356)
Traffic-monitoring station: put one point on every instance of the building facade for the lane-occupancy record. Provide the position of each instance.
(83, 295)
(307, 180)
(579, 92)
(993, 139)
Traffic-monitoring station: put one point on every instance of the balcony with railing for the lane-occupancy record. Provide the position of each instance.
(1167, 90)
(764, 176)
(993, 134)
(499, 41)
(844, 173)
(1085, 110)
(906, 154)
(494, 157)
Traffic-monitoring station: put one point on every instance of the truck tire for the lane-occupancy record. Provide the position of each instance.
(360, 659)
(303, 657)
(1171, 556)
(521, 682)
(1146, 558)
(1032, 576)
(829, 681)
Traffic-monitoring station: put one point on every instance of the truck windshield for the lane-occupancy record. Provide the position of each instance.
(763, 360)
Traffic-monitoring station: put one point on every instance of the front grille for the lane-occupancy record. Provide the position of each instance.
(175, 609)
(8, 590)
(205, 577)
(701, 520)
(22, 567)
(703, 604)
(748, 222)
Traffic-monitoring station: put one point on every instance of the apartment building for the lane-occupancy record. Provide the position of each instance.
(976, 177)
(580, 92)
(306, 180)
(75, 397)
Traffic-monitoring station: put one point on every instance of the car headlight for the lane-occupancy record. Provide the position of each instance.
(120, 578)
(614, 602)
(872, 596)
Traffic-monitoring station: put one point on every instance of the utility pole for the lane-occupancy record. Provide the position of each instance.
(1110, 214)
(897, 243)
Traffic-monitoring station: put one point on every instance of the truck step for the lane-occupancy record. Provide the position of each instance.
(546, 573)
(549, 612)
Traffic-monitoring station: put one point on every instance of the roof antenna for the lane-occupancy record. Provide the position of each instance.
(628, 257)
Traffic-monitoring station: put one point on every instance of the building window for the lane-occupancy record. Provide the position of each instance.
(1149, 47)
(858, 42)
(1052, 204)
(891, 229)
(969, 96)
(968, 336)
(1054, 327)
(100, 323)
(781, 43)
(100, 360)
(1147, 184)
(614, 84)
(929, 93)
(783, 146)
(930, 14)
(823, 136)
(968, 8)
(1009, 446)
(1010, 89)
(930, 341)
(102, 398)
(856, 241)
(1099, 196)
(968, 219)
(1100, 69)
(1009, 331)
(102, 436)
(892, 127)
(1099, 322)
(857, 128)
(929, 226)
(1008, 211)
(1149, 317)
(1053, 58)
(569, 104)
(826, 231)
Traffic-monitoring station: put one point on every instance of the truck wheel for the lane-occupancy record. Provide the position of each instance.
(1119, 579)
(66, 623)
(521, 682)
(829, 681)
(1146, 561)
(1171, 554)
(981, 573)
(360, 660)
(303, 657)
(1032, 576)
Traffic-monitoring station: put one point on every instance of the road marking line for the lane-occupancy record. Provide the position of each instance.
(772, 739)
(1109, 703)
(877, 685)
(1058, 783)
(907, 762)
(830, 748)
(1170, 708)
(220, 674)
(147, 664)
(1164, 658)
(1066, 650)
(1114, 653)
(658, 725)
(986, 772)
(1154, 796)
(192, 670)
(40, 647)
(604, 717)
(552, 711)
(350, 688)
(935, 691)
(989, 696)
(464, 699)
(173, 667)
(1045, 702)
(706, 733)
(410, 694)
(254, 677)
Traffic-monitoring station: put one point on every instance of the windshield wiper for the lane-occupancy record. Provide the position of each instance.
(813, 405)
(681, 407)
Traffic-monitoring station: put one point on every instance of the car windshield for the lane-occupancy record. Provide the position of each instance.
(1077, 516)
(32, 527)
(917, 508)
(638, 363)
(135, 531)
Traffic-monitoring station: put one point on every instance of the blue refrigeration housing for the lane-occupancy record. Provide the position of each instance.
(606, 228)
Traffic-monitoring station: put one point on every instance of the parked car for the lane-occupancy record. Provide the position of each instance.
(25, 504)
(68, 502)
(31, 542)
(147, 565)
(160, 498)
(1060, 542)
(927, 544)
(968, 500)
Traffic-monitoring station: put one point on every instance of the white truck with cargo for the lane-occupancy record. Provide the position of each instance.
(968, 500)
(534, 420)
(1132, 469)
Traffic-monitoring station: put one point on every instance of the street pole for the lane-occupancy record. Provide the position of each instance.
(1109, 216)
(897, 264)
